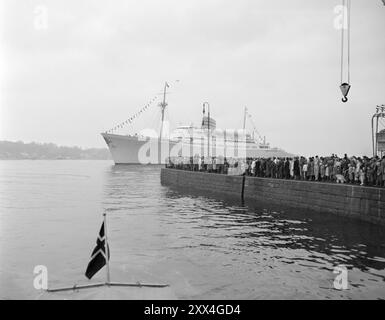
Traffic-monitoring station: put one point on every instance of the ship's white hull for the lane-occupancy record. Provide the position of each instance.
(136, 150)
(131, 150)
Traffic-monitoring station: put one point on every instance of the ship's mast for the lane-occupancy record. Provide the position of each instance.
(163, 106)
(208, 126)
(244, 119)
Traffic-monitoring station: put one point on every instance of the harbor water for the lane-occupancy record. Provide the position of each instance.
(203, 247)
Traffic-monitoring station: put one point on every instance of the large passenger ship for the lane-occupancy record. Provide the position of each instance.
(188, 141)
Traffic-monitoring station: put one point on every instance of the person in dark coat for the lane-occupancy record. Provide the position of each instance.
(262, 172)
(258, 168)
(280, 168)
(273, 169)
(286, 169)
(268, 168)
(297, 172)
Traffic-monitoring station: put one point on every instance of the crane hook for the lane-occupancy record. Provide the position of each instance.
(345, 87)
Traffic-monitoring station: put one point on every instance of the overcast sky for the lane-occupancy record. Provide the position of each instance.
(91, 64)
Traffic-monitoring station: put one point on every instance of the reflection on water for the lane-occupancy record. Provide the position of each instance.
(203, 246)
(353, 244)
(231, 244)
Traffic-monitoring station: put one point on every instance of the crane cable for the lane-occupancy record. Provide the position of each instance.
(345, 4)
(345, 86)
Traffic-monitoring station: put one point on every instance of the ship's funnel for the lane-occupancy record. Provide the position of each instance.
(206, 122)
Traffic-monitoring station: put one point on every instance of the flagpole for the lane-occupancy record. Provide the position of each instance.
(108, 282)
(106, 250)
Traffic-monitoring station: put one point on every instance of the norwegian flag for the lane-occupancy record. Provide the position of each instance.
(98, 256)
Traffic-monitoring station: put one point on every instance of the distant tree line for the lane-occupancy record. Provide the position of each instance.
(50, 151)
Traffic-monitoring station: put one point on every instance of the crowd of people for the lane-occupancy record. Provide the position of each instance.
(354, 170)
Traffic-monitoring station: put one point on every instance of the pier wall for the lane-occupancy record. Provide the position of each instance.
(364, 203)
(210, 182)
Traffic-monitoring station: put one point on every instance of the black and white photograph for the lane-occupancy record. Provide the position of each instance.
(194, 150)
